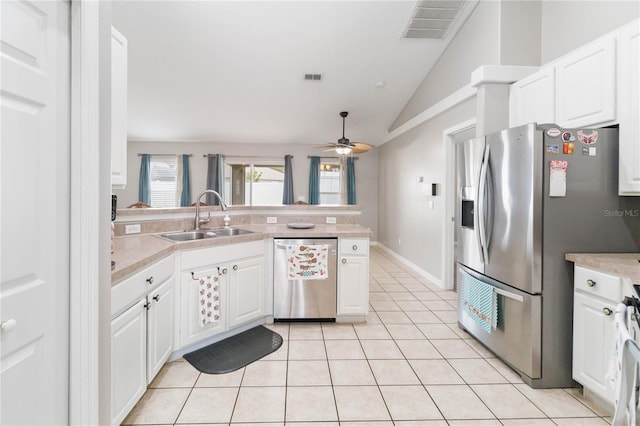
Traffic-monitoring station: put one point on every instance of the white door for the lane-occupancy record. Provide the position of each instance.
(34, 212)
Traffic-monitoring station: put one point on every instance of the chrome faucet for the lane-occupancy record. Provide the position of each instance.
(223, 206)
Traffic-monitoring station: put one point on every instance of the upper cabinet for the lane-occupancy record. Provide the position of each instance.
(586, 85)
(532, 99)
(629, 109)
(118, 110)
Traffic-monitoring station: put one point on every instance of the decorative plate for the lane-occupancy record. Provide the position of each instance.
(300, 225)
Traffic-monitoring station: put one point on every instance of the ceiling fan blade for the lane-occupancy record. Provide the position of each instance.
(360, 147)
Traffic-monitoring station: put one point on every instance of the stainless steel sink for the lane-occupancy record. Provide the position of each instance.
(190, 235)
(226, 232)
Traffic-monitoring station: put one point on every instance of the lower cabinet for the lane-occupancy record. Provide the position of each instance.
(246, 290)
(596, 295)
(353, 276)
(160, 325)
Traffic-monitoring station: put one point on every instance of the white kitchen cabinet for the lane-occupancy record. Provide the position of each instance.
(160, 323)
(629, 109)
(128, 360)
(596, 295)
(532, 99)
(246, 290)
(586, 85)
(353, 276)
(118, 110)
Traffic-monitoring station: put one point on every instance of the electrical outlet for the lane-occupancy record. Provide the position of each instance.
(399, 242)
(132, 229)
(331, 219)
(430, 204)
(272, 219)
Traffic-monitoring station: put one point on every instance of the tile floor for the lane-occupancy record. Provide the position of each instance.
(409, 364)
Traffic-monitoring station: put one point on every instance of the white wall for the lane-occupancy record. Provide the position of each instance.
(365, 166)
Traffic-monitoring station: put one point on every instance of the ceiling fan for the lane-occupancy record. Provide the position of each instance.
(344, 146)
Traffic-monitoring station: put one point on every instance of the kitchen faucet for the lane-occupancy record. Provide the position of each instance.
(223, 206)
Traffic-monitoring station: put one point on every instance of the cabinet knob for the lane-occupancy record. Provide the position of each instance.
(591, 283)
(235, 267)
(156, 297)
(355, 247)
(150, 280)
(147, 306)
(8, 325)
(224, 271)
(344, 260)
(607, 311)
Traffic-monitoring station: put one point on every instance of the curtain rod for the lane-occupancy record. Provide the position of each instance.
(332, 158)
(167, 155)
(248, 156)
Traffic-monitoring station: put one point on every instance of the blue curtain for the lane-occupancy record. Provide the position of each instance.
(215, 177)
(351, 181)
(314, 181)
(287, 192)
(185, 197)
(144, 183)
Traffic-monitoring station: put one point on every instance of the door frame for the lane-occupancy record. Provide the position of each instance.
(89, 298)
(448, 225)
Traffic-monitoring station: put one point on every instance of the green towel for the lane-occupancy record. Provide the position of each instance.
(480, 302)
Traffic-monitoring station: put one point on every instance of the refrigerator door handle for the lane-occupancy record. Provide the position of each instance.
(480, 211)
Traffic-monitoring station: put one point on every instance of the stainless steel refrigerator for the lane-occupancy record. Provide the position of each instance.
(527, 196)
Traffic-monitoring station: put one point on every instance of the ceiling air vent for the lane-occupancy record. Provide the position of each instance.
(313, 77)
(432, 18)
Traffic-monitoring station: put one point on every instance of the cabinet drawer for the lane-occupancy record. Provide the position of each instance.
(598, 283)
(351, 246)
(194, 259)
(129, 290)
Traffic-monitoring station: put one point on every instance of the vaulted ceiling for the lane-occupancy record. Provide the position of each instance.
(234, 71)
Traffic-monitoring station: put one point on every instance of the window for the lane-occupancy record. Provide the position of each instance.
(164, 171)
(329, 183)
(253, 184)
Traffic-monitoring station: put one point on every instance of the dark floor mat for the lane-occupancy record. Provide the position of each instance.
(236, 351)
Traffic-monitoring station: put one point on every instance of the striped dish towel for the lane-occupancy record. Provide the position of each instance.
(480, 302)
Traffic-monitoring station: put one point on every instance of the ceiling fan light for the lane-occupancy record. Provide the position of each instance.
(343, 150)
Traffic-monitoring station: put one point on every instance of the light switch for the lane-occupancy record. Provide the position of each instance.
(430, 204)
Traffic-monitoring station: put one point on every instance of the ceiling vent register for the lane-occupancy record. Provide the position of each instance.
(433, 18)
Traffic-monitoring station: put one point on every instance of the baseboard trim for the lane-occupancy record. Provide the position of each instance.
(419, 270)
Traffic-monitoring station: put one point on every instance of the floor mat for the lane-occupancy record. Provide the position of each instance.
(236, 351)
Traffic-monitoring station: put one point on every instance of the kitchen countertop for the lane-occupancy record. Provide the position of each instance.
(133, 252)
(622, 264)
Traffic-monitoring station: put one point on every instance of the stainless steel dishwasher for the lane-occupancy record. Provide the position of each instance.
(308, 298)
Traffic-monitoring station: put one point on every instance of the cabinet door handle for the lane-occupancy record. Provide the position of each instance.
(8, 325)
(224, 271)
(607, 311)
(344, 260)
(235, 267)
(591, 283)
(150, 280)
(355, 247)
(156, 298)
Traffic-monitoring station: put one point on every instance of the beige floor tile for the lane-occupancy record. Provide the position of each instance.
(426, 295)
(474, 423)
(200, 408)
(555, 402)
(460, 332)
(389, 423)
(178, 374)
(383, 295)
(510, 374)
(401, 295)
(459, 402)
(314, 403)
(387, 280)
(158, 406)
(279, 355)
(307, 349)
(351, 372)
(375, 288)
(416, 288)
(411, 305)
(418, 349)
(394, 318)
(595, 421)
(281, 328)
(405, 332)
(265, 373)
(528, 422)
(384, 305)
(334, 331)
(600, 409)
(393, 372)
(424, 317)
(305, 331)
(408, 280)
(392, 287)
(372, 318)
(381, 349)
(506, 402)
(447, 317)
(435, 372)
(344, 349)
(437, 331)
(232, 379)
(409, 403)
(420, 423)
(480, 348)
(438, 305)
(454, 348)
(477, 371)
(372, 331)
(259, 404)
(308, 373)
(448, 295)
(361, 403)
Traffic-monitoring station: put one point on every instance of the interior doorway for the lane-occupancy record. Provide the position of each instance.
(452, 137)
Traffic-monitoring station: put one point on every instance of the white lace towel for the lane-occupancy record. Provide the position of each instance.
(209, 288)
(307, 262)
